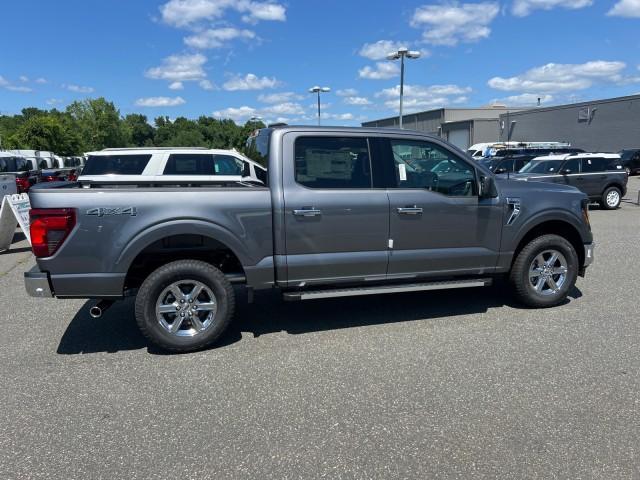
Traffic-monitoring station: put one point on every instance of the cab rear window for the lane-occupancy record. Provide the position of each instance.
(116, 164)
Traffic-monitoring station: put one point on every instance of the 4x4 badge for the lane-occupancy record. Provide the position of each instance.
(102, 211)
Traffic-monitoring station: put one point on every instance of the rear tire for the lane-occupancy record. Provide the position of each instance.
(611, 198)
(544, 271)
(184, 305)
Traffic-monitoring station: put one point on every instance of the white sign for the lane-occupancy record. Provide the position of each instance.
(14, 211)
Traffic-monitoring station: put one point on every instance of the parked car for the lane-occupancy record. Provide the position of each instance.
(21, 169)
(343, 214)
(631, 160)
(509, 164)
(8, 185)
(168, 164)
(599, 175)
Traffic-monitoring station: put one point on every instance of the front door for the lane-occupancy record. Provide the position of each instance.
(438, 224)
(336, 224)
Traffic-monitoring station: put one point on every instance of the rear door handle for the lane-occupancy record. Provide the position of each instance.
(414, 210)
(307, 212)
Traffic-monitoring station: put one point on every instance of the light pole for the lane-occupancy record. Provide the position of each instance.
(319, 90)
(400, 55)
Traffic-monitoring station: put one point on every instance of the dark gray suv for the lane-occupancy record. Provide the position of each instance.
(600, 175)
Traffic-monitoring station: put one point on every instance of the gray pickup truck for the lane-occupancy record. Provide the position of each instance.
(346, 211)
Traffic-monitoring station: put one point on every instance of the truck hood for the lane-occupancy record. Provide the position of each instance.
(519, 183)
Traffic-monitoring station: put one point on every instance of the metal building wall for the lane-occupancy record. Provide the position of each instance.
(603, 125)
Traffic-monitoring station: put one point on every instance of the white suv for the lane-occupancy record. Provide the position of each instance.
(166, 164)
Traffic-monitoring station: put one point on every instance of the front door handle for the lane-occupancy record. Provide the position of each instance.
(307, 212)
(414, 210)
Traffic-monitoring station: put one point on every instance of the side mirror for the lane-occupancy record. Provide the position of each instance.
(487, 187)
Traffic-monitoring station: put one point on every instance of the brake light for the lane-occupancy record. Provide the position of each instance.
(72, 177)
(49, 228)
(23, 184)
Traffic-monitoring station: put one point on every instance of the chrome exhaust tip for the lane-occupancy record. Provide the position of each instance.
(99, 308)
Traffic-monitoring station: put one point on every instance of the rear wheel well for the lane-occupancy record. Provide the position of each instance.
(617, 185)
(554, 227)
(182, 247)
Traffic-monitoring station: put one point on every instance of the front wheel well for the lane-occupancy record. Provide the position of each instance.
(182, 247)
(553, 227)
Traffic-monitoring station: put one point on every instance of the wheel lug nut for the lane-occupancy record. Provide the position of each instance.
(182, 314)
(182, 301)
(177, 308)
(191, 300)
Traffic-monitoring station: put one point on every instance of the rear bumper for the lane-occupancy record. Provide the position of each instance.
(37, 283)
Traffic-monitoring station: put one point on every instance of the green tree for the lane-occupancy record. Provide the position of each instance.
(138, 130)
(99, 123)
(46, 132)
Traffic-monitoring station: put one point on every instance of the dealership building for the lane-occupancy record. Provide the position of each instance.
(599, 125)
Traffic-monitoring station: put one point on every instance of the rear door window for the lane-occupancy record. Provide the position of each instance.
(116, 164)
(573, 165)
(332, 162)
(227, 165)
(590, 165)
(189, 164)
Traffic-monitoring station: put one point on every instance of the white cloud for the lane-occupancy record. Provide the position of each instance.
(176, 86)
(524, 100)
(625, 8)
(382, 71)
(357, 101)
(522, 8)
(417, 97)
(380, 49)
(206, 84)
(160, 102)
(181, 13)
(216, 38)
(250, 82)
(179, 68)
(280, 112)
(54, 101)
(279, 97)
(23, 78)
(337, 116)
(18, 88)
(41, 80)
(449, 24)
(263, 11)
(78, 88)
(557, 77)
(287, 108)
(238, 115)
(347, 92)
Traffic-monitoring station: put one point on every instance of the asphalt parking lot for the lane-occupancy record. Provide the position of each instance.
(418, 385)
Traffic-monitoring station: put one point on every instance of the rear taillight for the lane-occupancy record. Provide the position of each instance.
(23, 184)
(49, 228)
(72, 177)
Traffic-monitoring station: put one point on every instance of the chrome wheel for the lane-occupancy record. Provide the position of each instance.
(548, 272)
(613, 199)
(186, 308)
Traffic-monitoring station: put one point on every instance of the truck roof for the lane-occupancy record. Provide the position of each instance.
(566, 156)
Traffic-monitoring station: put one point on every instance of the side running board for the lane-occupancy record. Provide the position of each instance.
(375, 290)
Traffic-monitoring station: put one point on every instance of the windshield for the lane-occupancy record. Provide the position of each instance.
(257, 147)
(626, 154)
(542, 166)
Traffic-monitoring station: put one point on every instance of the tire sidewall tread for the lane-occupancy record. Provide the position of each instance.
(519, 275)
(162, 277)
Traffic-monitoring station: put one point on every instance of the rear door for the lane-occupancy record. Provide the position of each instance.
(594, 172)
(336, 222)
(438, 224)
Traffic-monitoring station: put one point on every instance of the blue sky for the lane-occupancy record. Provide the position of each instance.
(243, 58)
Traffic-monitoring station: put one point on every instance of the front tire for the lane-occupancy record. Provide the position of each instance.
(611, 198)
(544, 271)
(184, 305)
